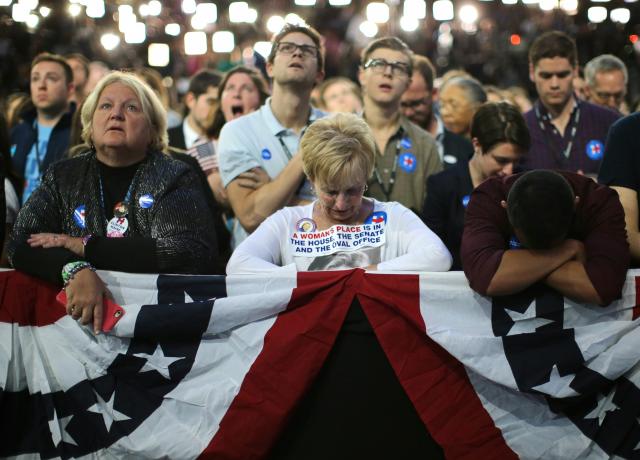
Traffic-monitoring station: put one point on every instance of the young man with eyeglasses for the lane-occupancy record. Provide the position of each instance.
(566, 132)
(268, 138)
(417, 106)
(406, 154)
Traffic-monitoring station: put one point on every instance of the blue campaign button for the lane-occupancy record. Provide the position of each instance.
(406, 143)
(408, 162)
(595, 149)
(514, 243)
(146, 201)
(79, 216)
(377, 217)
(465, 200)
(266, 154)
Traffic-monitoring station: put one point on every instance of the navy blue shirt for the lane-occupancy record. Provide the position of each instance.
(585, 142)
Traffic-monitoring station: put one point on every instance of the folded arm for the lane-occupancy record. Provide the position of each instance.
(520, 268)
(572, 280)
(252, 206)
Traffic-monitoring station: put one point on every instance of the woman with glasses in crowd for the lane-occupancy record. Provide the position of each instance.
(500, 138)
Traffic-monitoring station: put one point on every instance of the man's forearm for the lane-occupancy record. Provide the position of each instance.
(273, 196)
(254, 206)
(520, 268)
(571, 280)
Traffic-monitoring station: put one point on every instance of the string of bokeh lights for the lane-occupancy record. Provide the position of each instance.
(200, 28)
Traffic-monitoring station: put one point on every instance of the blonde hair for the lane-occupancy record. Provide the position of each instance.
(152, 108)
(338, 150)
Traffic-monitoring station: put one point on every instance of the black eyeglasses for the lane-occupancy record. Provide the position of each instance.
(605, 96)
(289, 48)
(380, 65)
(415, 103)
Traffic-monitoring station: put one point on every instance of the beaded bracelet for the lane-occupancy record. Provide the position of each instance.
(70, 270)
(86, 238)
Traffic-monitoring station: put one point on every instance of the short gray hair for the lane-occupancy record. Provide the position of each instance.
(152, 108)
(472, 87)
(604, 63)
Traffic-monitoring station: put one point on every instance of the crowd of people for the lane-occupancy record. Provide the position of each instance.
(402, 170)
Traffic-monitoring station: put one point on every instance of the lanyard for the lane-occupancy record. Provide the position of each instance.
(392, 179)
(125, 202)
(38, 161)
(574, 129)
(286, 150)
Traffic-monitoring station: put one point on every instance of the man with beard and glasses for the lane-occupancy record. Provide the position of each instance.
(268, 138)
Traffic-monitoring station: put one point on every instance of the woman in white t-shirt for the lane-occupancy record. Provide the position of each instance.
(341, 229)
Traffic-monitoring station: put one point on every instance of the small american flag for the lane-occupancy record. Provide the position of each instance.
(204, 151)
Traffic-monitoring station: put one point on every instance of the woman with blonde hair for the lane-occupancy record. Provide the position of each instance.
(122, 205)
(338, 158)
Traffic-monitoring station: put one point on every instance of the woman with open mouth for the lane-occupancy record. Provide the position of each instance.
(242, 91)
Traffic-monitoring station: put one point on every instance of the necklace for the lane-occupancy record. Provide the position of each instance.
(320, 214)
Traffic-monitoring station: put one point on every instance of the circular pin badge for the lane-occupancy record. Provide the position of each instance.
(79, 216)
(465, 200)
(117, 227)
(408, 162)
(514, 243)
(377, 217)
(406, 143)
(120, 209)
(145, 201)
(266, 154)
(306, 225)
(595, 149)
(450, 159)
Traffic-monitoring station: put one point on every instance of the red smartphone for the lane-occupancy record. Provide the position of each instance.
(112, 311)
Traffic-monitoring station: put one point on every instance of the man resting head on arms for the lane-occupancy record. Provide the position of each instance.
(558, 228)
